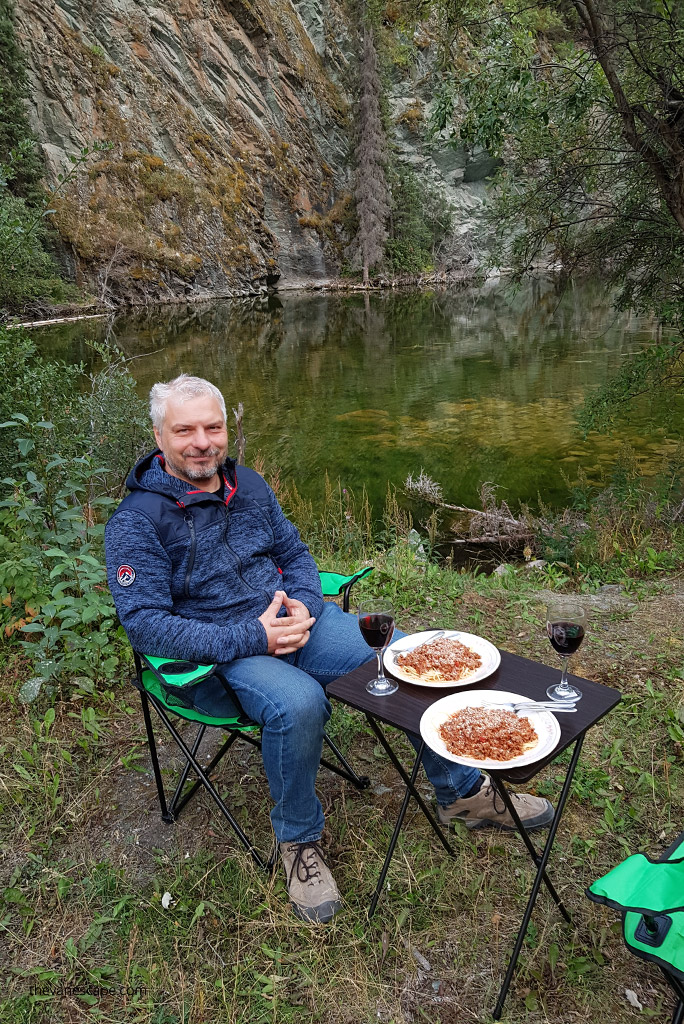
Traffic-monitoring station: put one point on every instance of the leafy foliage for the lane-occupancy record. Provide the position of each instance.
(52, 577)
(658, 367)
(58, 423)
(27, 271)
(421, 218)
(92, 415)
(15, 131)
(586, 103)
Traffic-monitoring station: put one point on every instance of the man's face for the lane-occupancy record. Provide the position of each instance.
(193, 438)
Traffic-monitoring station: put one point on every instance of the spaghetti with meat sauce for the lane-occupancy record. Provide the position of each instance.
(487, 734)
(442, 661)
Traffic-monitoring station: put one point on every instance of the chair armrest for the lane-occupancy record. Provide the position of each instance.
(334, 583)
(175, 671)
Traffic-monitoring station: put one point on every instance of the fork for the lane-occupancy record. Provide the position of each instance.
(423, 643)
(535, 706)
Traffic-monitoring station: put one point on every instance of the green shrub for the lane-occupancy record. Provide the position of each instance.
(16, 137)
(627, 525)
(67, 441)
(53, 581)
(88, 415)
(27, 272)
(404, 256)
(421, 219)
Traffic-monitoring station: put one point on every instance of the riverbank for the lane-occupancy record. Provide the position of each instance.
(42, 314)
(86, 860)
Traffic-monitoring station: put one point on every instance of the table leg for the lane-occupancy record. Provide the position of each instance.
(395, 836)
(541, 872)
(410, 783)
(534, 853)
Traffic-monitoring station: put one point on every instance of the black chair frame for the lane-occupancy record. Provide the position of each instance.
(171, 808)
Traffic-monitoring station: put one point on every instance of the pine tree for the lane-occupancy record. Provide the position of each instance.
(371, 194)
(14, 124)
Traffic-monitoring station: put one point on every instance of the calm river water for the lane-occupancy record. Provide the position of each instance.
(468, 385)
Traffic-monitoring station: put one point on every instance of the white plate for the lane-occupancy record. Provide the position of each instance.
(543, 722)
(491, 659)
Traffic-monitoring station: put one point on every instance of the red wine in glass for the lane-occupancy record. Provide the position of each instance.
(376, 629)
(376, 622)
(565, 627)
(565, 637)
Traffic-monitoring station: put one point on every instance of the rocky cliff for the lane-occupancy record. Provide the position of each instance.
(231, 126)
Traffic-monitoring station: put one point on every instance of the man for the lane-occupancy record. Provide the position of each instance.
(204, 566)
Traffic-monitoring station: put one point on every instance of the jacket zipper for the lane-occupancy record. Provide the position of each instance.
(237, 558)
(193, 545)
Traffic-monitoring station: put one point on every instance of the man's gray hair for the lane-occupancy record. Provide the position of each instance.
(182, 388)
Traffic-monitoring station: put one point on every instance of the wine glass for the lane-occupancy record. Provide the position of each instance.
(566, 623)
(376, 622)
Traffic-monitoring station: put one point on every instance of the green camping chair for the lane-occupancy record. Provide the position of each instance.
(168, 685)
(650, 897)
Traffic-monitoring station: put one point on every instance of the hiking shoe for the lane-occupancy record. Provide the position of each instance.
(486, 809)
(310, 885)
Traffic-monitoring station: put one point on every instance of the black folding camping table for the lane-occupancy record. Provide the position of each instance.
(404, 708)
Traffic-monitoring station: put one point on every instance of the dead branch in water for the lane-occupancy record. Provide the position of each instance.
(494, 525)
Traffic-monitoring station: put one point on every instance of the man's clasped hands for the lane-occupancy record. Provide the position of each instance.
(286, 633)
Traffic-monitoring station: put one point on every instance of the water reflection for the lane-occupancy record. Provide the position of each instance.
(469, 385)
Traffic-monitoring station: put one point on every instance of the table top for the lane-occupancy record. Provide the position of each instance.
(405, 707)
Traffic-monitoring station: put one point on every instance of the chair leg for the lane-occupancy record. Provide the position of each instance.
(678, 988)
(167, 817)
(676, 984)
(208, 770)
(205, 781)
(173, 808)
(272, 861)
(346, 771)
(202, 778)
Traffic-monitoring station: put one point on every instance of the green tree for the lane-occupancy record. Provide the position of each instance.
(27, 271)
(420, 220)
(16, 137)
(585, 101)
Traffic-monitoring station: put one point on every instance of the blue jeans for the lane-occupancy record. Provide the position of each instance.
(286, 696)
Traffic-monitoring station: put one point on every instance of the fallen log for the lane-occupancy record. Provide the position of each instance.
(58, 320)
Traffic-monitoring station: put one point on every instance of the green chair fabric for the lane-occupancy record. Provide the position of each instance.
(334, 583)
(175, 689)
(179, 673)
(650, 896)
(643, 886)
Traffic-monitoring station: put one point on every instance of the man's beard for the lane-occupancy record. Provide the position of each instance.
(198, 473)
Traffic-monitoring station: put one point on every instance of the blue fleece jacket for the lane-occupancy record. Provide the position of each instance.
(191, 571)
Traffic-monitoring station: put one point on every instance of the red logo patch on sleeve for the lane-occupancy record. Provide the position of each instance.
(125, 575)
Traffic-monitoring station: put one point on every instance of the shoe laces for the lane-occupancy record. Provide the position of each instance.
(306, 863)
(499, 805)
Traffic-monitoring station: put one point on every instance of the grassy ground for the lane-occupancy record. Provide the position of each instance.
(86, 860)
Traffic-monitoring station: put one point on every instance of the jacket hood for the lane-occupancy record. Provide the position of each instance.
(149, 475)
